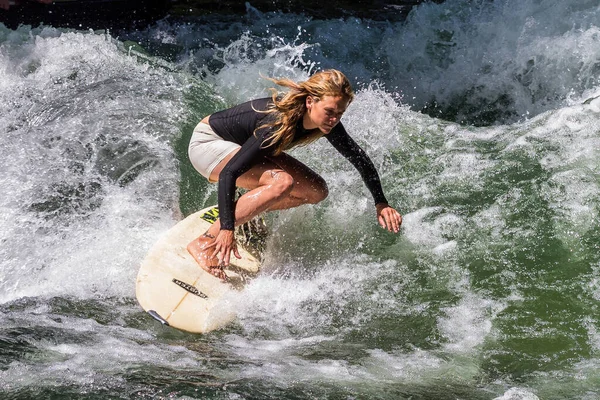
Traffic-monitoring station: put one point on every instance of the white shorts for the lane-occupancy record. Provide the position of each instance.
(207, 149)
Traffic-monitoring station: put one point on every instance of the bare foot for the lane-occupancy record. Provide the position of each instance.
(197, 248)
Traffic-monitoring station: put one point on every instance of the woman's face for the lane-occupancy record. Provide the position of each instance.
(324, 113)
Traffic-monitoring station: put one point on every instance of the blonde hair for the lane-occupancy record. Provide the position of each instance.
(290, 109)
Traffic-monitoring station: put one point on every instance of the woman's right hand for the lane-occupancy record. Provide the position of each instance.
(224, 244)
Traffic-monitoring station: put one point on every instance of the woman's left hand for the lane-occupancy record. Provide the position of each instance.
(388, 218)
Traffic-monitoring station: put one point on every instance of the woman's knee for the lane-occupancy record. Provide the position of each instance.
(281, 182)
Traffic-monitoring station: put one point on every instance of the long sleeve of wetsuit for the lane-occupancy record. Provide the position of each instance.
(241, 162)
(347, 147)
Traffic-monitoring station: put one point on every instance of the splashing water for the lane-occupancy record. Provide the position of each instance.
(490, 291)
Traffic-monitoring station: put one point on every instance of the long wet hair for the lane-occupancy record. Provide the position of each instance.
(289, 109)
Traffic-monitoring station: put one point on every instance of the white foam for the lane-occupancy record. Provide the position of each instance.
(431, 227)
(468, 324)
(80, 364)
(479, 52)
(517, 394)
(88, 161)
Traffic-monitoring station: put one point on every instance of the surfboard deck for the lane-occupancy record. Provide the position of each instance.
(176, 291)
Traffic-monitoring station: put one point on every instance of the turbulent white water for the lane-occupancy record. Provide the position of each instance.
(82, 124)
(481, 61)
(490, 291)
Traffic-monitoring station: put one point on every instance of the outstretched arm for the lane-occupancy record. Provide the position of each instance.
(387, 216)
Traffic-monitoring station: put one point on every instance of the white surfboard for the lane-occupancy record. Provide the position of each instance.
(173, 288)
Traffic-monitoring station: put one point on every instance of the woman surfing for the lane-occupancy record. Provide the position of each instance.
(245, 146)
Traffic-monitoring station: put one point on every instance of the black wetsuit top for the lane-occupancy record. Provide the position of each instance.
(238, 124)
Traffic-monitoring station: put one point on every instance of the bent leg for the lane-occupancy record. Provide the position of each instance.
(268, 185)
(309, 187)
(276, 183)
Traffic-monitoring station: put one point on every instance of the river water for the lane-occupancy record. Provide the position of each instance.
(482, 118)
